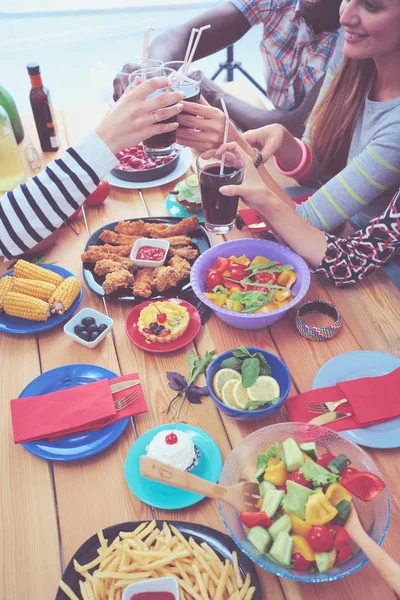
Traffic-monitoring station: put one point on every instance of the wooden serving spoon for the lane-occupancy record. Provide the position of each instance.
(381, 560)
(242, 496)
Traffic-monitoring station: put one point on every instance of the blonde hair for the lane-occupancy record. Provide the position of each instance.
(334, 119)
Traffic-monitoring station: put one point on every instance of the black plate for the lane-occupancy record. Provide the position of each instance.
(200, 239)
(221, 543)
(147, 174)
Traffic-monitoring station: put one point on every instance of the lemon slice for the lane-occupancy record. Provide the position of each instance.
(240, 394)
(192, 180)
(227, 396)
(221, 377)
(265, 389)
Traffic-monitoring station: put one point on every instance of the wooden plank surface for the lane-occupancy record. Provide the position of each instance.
(93, 493)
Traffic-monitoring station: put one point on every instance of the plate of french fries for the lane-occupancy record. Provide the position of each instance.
(36, 298)
(206, 563)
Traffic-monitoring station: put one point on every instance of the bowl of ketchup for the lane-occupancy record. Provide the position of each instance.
(147, 252)
(165, 588)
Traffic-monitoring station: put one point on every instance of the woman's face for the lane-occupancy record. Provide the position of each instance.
(372, 28)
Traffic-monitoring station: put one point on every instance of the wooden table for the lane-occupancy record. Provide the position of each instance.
(49, 509)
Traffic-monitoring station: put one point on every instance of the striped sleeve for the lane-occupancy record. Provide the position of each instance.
(374, 171)
(350, 260)
(35, 209)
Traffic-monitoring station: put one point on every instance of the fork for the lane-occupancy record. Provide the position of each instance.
(126, 401)
(324, 407)
(242, 496)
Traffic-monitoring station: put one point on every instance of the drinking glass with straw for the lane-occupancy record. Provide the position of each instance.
(219, 211)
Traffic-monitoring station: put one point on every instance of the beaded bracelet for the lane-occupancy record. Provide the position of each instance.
(318, 334)
(258, 160)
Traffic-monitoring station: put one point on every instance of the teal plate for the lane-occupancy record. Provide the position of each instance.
(164, 496)
(176, 210)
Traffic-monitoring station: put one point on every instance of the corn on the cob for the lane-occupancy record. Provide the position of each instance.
(26, 270)
(65, 295)
(26, 307)
(35, 288)
(6, 285)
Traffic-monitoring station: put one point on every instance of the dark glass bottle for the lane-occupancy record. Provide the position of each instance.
(7, 102)
(42, 110)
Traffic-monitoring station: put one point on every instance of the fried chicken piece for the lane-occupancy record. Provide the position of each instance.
(143, 284)
(116, 280)
(118, 239)
(181, 228)
(185, 252)
(138, 228)
(96, 253)
(108, 265)
(181, 265)
(164, 278)
(179, 240)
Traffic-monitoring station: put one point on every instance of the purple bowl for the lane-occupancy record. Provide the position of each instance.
(251, 248)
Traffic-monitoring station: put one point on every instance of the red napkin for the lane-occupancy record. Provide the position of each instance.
(136, 408)
(371, 399)
(250, 217)
(38, 417)
(75, 410)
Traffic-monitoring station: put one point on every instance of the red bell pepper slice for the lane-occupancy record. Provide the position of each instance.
(299, 478)
(343, 552)
(349, 471)
(340, 533)
(324, 459)
(221, 264)
(364, 485)
(251, 519)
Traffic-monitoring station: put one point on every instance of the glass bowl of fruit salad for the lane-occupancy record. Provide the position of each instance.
(250, 283)
(309, 476)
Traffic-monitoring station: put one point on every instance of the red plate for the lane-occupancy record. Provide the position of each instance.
(132, 330)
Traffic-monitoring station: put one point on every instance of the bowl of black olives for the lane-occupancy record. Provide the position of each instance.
(88, 327)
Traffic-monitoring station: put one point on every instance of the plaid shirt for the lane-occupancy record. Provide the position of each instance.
(295, 58)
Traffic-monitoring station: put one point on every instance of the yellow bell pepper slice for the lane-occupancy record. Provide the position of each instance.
(235, 288)
(306, 457)
(263, 309)
(259, 259)
(336, 493)
(226, 273)
(319, 510)
(287, 278)
(276, 474)
(272, 462)
(217, 299)
(332, 558)
(299, 527)
(237, 306)
(260, 503)
(282, 295)
(240, 260)
(301, 546)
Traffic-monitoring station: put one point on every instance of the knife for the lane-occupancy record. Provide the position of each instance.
(329, 418)
(123, 385)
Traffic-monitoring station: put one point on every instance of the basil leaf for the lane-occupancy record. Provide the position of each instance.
(220, 289)
(232, 363)
(259, 404)
(176, 381)
(250, 371)
(241, 352)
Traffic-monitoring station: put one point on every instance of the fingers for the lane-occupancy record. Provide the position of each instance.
(145, 88)
(164, 100)
(166, 113)
(200, 146)
(230, 190)
(253, 138)
(156, 129)
(192, 122)
(201, 110)
(235, 149)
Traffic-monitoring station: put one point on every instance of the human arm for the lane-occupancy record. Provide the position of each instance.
(34, 210)
(343, 261)
(228, 25)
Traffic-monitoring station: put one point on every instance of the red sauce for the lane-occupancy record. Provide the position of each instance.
(150, 253)
(153, 596)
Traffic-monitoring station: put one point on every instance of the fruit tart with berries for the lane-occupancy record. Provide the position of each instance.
(163, 321)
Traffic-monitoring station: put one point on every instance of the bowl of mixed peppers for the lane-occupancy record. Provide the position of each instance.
(308, 478)
(250, 283)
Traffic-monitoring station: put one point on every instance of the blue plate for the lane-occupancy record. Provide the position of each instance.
(353, 365)
(164, 496)
(176, 210)
(18, 326)
(77, 446)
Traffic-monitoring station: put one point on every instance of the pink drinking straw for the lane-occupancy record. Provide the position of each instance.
(226, 132)
(186, 66)
(146, 39)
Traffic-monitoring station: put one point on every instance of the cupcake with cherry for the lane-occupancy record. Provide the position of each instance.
(163, 322)
(174, 448)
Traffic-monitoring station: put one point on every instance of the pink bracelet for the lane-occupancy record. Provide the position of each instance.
(303, 165)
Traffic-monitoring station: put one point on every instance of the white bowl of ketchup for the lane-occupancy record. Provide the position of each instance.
(148, 252)
(165, 588)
